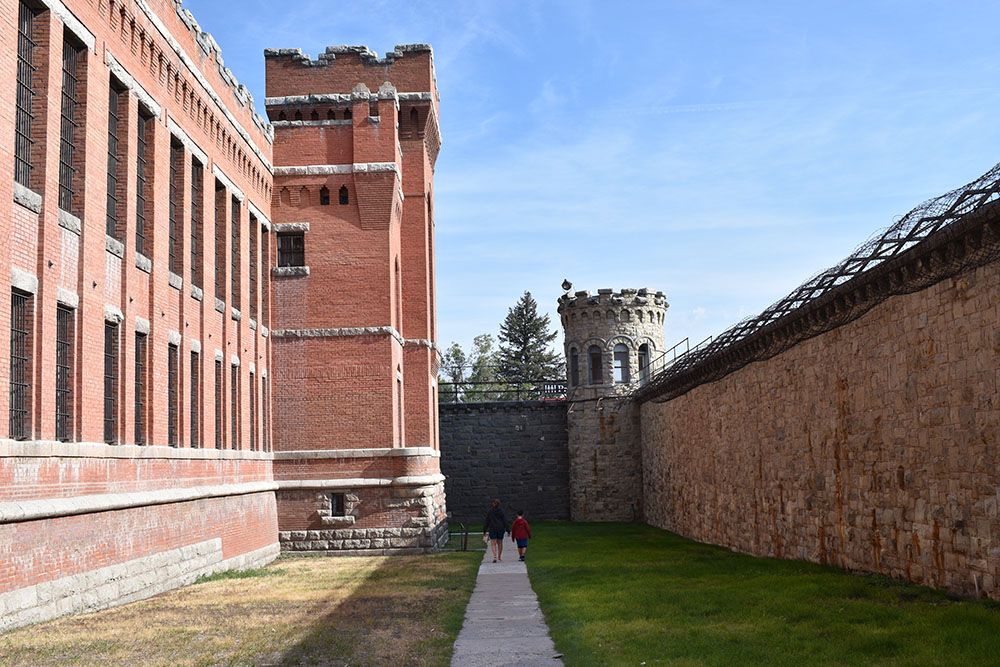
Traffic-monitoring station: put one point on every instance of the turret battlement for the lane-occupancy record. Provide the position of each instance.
(364, 54)
(626, 297)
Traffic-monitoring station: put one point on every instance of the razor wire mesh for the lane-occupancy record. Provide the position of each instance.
(930, 218)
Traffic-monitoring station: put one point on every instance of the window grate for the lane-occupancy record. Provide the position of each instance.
(338, 506)
(175, 208)
(220, 241)
(68, 134)
(141, 181)
(218, 404)
(292, 249)
(140, 389)
(25, 95)
(266, 416)
(253, 267)
(234, 269)
(197, 216)
(64, 374)
(266, 275)
(114, 160)
(110, 382)
(20, 366)
(172, 395)
(234, 407)
(253, 412)
(195, 398)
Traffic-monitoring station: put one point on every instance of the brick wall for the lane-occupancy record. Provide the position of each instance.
(871, 447)
(513, 451)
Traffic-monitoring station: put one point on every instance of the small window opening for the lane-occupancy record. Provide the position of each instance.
(315, 115)
(298, 115)
(373, 109)
(324, 196)
(414, 117)
(596, 364)
(643, 361)
(347, 114)
(331, 115)
(338, 506)
(574, 367)
(622, 374)
(282, 116)
(343, 196)
(292, 249)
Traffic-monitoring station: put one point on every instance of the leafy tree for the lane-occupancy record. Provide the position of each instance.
(453, 365)
(484, 359)
(525, 338)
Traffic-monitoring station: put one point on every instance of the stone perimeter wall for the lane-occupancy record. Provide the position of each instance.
(872, 447)
(513, 451)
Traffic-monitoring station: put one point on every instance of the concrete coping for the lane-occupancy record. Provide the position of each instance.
(360, 482)
(71, 23)
(361, 453)
(123, 75)
(188, 142)
(32, 510)
(259, 214)
(228, 182)
(102, 450)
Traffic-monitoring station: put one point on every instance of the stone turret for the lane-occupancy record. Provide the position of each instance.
(610, 340)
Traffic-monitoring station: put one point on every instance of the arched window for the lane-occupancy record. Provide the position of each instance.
(574, 367)
(643, 362)
(324, 196)
(622, 375)
(347, 114)
(596, 364)
(315, 115)
(282, 116)
(331, 114)
(414, 117)
(343, 196)
(298, 115)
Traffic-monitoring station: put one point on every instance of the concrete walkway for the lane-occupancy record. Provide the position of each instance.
(503, 622)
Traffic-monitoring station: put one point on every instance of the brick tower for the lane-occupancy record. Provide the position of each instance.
(611, 339)
(355, 399)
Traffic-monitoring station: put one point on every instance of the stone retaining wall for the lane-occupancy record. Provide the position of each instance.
(513, 451)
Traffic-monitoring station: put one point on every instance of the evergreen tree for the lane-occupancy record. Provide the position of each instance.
(524, 353)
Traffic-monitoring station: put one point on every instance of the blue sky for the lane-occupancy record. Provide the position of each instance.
(722, 152)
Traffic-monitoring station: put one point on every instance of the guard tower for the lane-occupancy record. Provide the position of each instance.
(611, 340)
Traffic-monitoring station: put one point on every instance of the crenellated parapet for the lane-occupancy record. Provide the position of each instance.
(363, 53)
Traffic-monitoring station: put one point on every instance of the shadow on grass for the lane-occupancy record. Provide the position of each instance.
(407, 611)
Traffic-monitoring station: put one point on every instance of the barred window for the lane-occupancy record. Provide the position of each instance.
(266, 416)
(197, 218)
(140, 388)
(234, 407)
(73, 56)
(254, 268)
(338, 506)
(218, 404)
(265, 297)
(143, 185)
(110, 382)
(24, 119)
(195, 399)
(116, 162)
(253, 412)
(64, 374)
(20, 365)
(220, 240)
(292, 249)
(234, 269)
(173, 398)
(176, 207)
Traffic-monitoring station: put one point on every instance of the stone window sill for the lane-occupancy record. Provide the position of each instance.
(197, 293)
(27, 198)
(236, 314)
(289, 271)
(114, 246)
(220, 305)
(70, 222)
(337, 520)
(175, 281)
(143, 263)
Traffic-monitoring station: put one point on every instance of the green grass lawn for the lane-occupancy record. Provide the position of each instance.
(629, 594)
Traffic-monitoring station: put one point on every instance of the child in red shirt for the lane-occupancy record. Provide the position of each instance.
(520, 531)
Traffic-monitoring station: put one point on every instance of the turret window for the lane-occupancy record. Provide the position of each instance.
(596, 364)
(643, 362)
(574, 367)
(622, 374)
(343, 196)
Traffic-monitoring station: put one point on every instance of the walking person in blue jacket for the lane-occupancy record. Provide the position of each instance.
(495, 525)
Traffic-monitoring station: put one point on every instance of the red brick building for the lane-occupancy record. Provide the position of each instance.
(138, 183)
(355, 395)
